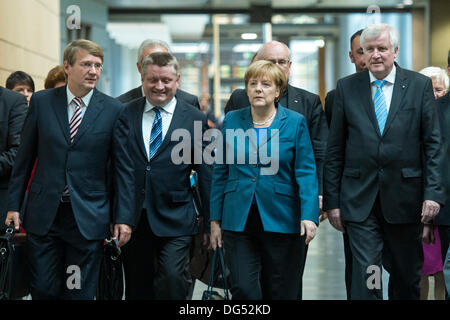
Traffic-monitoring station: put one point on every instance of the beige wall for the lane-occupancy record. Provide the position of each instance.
(29, 38)
(440, 32)
(420, 39)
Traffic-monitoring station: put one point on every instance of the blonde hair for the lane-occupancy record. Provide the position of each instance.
(72, 48)
(264, 68)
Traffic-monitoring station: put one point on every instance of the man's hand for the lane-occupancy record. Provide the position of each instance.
(334, 216)
(123, 231)
(428, 234)
(430, 209)
(13, 216)
(216, 235)
(310, 228)
(322, 214)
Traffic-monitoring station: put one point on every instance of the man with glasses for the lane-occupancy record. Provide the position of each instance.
(302, 101)
(80, 138)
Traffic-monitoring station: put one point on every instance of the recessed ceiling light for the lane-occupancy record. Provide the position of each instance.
(249, 36)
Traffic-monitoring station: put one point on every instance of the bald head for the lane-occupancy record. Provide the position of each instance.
(278, 53)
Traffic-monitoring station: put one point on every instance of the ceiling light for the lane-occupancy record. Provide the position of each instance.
(249, 36)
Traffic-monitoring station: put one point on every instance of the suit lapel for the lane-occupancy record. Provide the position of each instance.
(137, 124)
(60, 107)
(293, 101)
(365, 95)
(276, 125)
(246, 124)
(400, 86)
(93, 110)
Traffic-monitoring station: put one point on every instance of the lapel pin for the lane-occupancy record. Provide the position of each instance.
(296, 101)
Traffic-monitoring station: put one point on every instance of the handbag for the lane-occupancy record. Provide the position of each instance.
(110, 282)
(209, 293)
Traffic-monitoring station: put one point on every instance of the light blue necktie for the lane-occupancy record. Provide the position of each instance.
(156, 135)
(380, 105)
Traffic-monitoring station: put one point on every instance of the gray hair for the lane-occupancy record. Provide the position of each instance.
(375, 30)
(436, 73)
(161, 59)
(150, 43)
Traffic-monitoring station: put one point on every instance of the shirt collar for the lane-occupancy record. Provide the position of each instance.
(169, 108)
(86, 99)
(390, 78)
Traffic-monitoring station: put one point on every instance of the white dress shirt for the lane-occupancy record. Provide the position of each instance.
(71, 105)
(388, 87)
(149, 116)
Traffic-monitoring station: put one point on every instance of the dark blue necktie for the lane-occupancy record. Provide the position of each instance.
(156, 135)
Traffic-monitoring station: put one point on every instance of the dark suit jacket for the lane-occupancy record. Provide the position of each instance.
(401, 166)
(99, 148)
(308, 105)
(13, 108)
(180, 95)
(329, 100)
(443, 110)
(163, 185)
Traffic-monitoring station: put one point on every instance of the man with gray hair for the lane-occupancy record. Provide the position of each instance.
(381, 175)
(147, 47)
(165, 215)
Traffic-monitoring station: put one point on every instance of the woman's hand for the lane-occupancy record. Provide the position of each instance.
(310, 228)
(216, 235)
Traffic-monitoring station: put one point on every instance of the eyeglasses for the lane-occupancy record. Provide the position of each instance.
(89, 65)
(281, 62)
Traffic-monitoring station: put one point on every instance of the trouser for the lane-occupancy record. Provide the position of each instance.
(63, 264)
(263, 265)
(156, 267)
(367, 241)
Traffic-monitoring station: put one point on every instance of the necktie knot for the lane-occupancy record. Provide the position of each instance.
(380, 83)
(78, 102)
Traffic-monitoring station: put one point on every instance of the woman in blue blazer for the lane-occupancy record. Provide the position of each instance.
(264, 192)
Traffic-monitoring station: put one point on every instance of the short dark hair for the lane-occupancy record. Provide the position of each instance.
(357, 33)
(17, 78)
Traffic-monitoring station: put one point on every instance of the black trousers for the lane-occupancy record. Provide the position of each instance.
(63, 264)
(156, 268)
(367, 241)
(263, 265)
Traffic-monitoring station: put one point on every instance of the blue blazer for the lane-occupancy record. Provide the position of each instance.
(285, 190)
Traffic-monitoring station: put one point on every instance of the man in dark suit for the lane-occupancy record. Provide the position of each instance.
(147, 47)
(157, 256)
(357, 58)
(302, 101)
(443, 218)
(79, 136)
(13, 108)
(381, 174)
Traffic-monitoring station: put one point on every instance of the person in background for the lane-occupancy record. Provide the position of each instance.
(267, 213)
(433, 266)
(21, 82)
(56, 77)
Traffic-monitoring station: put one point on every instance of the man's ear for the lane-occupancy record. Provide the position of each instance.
(138, 65)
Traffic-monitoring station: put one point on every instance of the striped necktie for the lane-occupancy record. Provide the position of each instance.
(77, 116)
(73, 127)
(380, 105)
(156, 135)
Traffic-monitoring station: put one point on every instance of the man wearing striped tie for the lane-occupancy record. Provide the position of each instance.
(166, 219)
(79, 137)
(381, 175)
